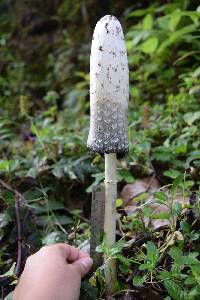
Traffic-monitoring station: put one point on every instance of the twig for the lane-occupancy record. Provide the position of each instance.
(18, 198)
(8, 187)
(125, 291)
(19, 236)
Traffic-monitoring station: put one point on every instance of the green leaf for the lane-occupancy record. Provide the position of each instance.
(161, 216)
(9, 296)
(172, 173)
(63, 220)
(190, 260)
(118, 202)
(195, 268)
(163, 23)
(178, 180)
(174, 290)
(117, 247)
(147, 23)
(56, 219)
(58, 171)
(185, 226)
(181, 149)
(138, 280)
(161, 197)
(174, 20)
(177, 255)
(163, 153)
(53, 237)
(51, 96)
(98, 179)
(163, 275)
(145, 266)
(152, 252)
(177, 209)
(142, 12)
(150, 45)
(187, 184)
(196, 73)
(4, 165)
(194, 155)
(4, 219)
(175, 37)
(102, 248)
(190, 280)
(10, 272)
(123, 260)
(140, 197)
(55, 205)
(195, 90)
(190, 118)
(126, 175)
(47, 206)
(99, 249)
(43, 220)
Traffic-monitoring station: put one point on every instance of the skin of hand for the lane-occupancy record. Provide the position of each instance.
(53, 273)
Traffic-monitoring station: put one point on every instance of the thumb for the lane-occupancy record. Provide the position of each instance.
(83, 265)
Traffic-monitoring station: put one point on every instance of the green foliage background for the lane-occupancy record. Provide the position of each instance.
(44, 116)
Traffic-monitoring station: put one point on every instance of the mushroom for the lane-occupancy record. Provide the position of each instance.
(108, 135)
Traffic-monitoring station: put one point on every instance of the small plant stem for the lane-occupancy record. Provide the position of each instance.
(18, 199)
(110, 217)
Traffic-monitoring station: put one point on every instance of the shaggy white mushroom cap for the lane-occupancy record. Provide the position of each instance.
(109, 88)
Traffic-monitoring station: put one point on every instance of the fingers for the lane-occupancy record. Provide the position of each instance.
(67, 252)
(71, 253)
(83, 265)
(79, 259)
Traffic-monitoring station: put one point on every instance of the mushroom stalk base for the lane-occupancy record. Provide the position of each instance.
(110, 217)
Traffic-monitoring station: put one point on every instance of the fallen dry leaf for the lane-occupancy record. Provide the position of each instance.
(141, 193)
(130, 191)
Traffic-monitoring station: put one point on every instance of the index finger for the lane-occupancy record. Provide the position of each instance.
(67, 252)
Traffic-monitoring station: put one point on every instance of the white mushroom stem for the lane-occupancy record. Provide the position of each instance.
(110, 217)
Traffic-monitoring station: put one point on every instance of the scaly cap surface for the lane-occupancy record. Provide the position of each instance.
(109, 89)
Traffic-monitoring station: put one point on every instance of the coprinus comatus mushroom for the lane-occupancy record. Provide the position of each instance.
(108, 135)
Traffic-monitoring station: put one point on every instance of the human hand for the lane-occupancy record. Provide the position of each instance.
(53, 273)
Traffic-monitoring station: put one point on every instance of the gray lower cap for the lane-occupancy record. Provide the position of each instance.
(108, 128)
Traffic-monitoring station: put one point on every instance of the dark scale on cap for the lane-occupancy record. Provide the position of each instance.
(106, 27)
